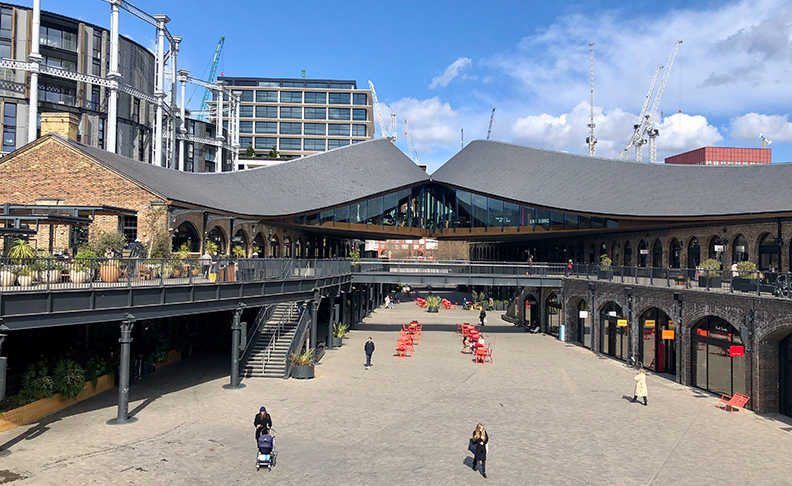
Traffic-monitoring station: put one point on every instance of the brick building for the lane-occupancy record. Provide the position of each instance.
(722, 156)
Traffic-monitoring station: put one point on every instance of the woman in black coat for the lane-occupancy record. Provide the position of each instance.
(480, 438)
(262, 422)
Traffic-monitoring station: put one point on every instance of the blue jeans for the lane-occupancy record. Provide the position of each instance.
(368, 359)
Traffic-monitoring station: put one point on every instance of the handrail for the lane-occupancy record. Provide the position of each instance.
(276, 336)
(297, 341)
(264, 315)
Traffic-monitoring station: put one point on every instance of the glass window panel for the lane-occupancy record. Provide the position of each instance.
(543, 218)
(584, 222)
(266, 143)
(390, 209)
(290, 112)
(245, 142)
(359, 114)
(312, 219)
(340, 98)
(338, 113)
(341, 215)
(337, 129)
(291, 144)
(358, 130)
(246, 95)
(245, 111)
(495, 212)
(269, 84)
(357, 212)
(266, 96)
(528, 216)
(556, 220)
(314, 144)
(719, 370)
(315, 128)
(597, 223)
(316, 85)
(6, 21)
(313, 97)
(479, 211)
(464, 209)
(5, 48)
(326, 216)
(291, 128)
(360, 99)
(265, 127)
(335, 143)
(612, 223)
(293, 84)
(246, 127)
(374, 211)
(571, 221)
(266, 112)
(291, 96)
(316, 113)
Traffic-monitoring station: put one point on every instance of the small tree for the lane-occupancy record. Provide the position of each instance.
(250, 152)
(273, 154)
(605, 262)
(103, 242)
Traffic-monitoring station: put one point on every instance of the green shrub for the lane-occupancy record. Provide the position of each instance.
(96, 367)
(746, 269)
(105, 241)
(302, 359)
(21, 250)
(69, 378)
(605, 262)
(433, 302)
(340, 330)
(84, 260)
(36, 383)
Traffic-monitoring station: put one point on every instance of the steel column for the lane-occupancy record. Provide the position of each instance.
(312, 339)
(236, 332)
(159, 88)
(174, 106)
(123, 373)
(35, 58)
(3, 368)
(183, 125)
(219, 131)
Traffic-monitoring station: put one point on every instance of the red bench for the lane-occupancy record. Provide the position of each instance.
(737, 400)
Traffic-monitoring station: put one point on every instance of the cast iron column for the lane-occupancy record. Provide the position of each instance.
(314, 322)
(236, 332)
(123, 373)
(3, 368)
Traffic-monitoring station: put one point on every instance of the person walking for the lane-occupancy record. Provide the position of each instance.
(480, 439)
(640, 386)
(482, 315)
(263, 422)
(387, 302)
(369, 349)
(206, 262)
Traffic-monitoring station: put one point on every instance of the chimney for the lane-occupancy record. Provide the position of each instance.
(64, 124)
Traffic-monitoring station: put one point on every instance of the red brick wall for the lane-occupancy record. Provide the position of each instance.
(722, 154)
(52, 170)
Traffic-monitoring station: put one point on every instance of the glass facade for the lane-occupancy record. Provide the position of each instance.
(338, 113)
(266, 112)
(340, 98)
(359, 114)
(245, 111)
(359, 99)
(291, 144)
(336, 143)
(315, 129)
(266, 96)
(265, 127)
(290, 112)
(358, 130)
(291, 96)
(716, 368)
(314, 144)
(337, 129)
(316, 113)
(313, 97)
(266, 143)
(290, 128)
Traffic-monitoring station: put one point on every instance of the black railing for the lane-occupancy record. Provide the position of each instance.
(466, 268)
(297, 341)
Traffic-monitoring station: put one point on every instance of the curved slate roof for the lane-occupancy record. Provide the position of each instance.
(301, 185)
(616, 187)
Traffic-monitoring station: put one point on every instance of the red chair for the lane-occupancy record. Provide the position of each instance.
(489, 353)
(481, 354)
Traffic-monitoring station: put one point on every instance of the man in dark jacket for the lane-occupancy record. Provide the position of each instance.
(263, 422)
(369, 348)
(482, 315)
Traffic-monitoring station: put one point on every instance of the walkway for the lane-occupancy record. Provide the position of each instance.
(557, 414)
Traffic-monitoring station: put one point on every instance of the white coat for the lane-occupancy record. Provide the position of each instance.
(640, 385)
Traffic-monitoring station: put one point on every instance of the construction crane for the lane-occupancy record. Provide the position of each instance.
(650, 130)
(637, 136)
(211, 78)
(765, 141)
(410, 148)
(591, 140)
(390, 131)
(492, 119)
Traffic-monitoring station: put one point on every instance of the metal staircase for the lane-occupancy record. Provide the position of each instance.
(268, 348)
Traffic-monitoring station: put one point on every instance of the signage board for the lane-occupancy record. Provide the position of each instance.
(736, 351)
(621, 323)
(668, 334)
(583, 314)
(649, 323)
(718, 247)
(644, 252)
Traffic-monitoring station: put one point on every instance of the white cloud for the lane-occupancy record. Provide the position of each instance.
(747, 127)
(681, 132)
(451, 72)
(432, 123)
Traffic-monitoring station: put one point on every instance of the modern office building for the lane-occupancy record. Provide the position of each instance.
(722, 156)
(299, 117)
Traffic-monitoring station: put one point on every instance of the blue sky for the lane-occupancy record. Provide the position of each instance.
(445, 65)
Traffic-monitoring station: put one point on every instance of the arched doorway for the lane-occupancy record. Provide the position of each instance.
(217, 235)
(657, 254)
(627, 254)
(694, 253)
(592, 256)
(785, 376)
(643, 253)
(615, 252)
(740, 249)
(274, 246)
(658, 341)
(583, 331)
(186, 233)
(532, 313)
(241, 239)
(717, 362)
(309, 249)
(287, 247)
(613, 331)
(553, 314)
(259, 246)
(715, 249)
(298, 248)
(674, 253)
(768, 253)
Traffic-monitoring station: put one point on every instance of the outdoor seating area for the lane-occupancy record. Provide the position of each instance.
(473, 342)
(737, 400)
(409, 337)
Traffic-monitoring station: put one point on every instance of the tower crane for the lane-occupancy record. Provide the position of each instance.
(637, 136)
(411, 149)
(212, 71)
(492, 119)
(390, 131)
(591, 140)
(650, 130)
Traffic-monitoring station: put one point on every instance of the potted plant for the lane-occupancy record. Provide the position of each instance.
(709, 274)
(110, 271)
(84, 263)
(51, 269)
(25, 276)
(20, 251)
(433, 303)
(339, 331)
(605, 270)
(238, 251)
(746, 278)
(7, 276)
(302, 364)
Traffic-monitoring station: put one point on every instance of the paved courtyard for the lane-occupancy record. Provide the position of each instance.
(556, 414)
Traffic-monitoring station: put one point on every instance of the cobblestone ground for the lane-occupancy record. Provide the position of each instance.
(556, 414)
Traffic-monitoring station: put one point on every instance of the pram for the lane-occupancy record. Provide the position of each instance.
(265, 455)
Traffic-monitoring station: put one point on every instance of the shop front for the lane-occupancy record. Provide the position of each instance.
(614, 335)
(658, 341)
(553, 315)
(583, 335)
(718, 363)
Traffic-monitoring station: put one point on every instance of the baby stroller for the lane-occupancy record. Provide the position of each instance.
(265, 455)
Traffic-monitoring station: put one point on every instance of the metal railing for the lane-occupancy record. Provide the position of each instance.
(454, 267)
(297, 340)
(264, 315)
(276, 335)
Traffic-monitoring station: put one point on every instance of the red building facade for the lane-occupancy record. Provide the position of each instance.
(722, 156)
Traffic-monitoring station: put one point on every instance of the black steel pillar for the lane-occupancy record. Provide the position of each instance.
(236, 333)
(314, 322)
(123, 373)
(3, 368)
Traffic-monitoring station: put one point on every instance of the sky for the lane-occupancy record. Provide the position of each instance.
(443, 66)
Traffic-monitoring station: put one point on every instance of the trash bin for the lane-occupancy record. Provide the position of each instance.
(562, 333)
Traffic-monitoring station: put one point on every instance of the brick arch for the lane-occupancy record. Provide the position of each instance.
(224, 241)
(663, 253)
(779, 332)
(690, 320)
(602, 303)
(651, 303)
(245, 240)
